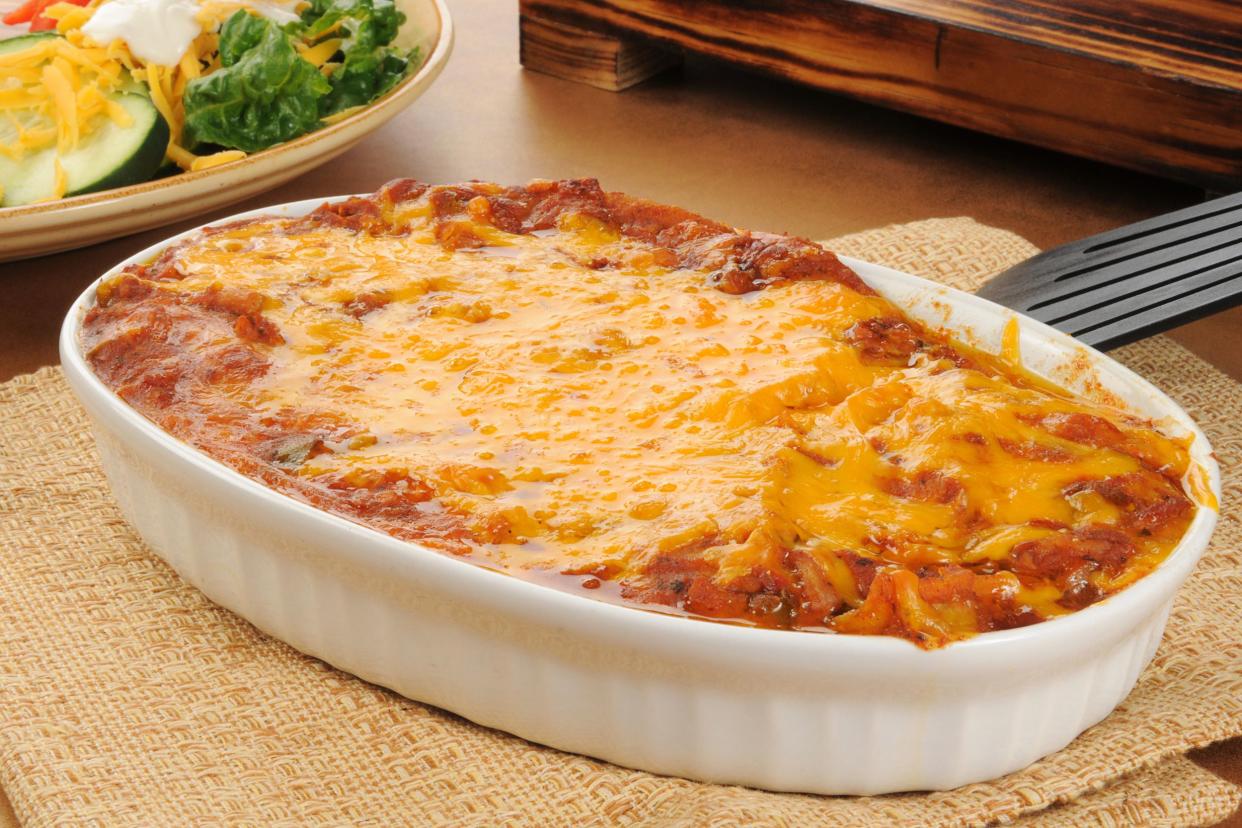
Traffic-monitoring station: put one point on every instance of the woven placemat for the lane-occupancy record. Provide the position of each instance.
(127, 698)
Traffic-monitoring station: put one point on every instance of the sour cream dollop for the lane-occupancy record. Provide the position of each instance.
(156, 31)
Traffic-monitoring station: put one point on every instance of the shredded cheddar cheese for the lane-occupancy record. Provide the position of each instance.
(206, 162)
(55, 93)
(1011, 342)
(65, 103)
(61, 179)
(321, 51)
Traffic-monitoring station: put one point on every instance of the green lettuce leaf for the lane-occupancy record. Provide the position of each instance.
(263, 94)
(370, 23)
(239, 34)
(368, 66)
(360, 80)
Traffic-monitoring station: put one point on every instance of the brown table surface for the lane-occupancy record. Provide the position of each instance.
(740, 148)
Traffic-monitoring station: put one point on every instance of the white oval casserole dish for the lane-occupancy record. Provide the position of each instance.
(783, 710)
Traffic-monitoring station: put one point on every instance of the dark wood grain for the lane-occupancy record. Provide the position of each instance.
(1153, 85)
(603, 60)
(1193, 39)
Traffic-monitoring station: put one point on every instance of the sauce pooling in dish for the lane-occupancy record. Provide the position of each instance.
(628, 399)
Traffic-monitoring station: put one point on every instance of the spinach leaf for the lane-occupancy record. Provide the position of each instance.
(265, 93)
(369, 66)
(239, 34)
(360, 80)
(370, 23)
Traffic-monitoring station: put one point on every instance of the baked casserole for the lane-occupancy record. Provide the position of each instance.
(624, 398)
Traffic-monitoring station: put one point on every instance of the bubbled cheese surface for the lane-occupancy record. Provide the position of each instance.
(580, 415)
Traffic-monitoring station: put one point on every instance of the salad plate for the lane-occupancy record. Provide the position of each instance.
(80, 220)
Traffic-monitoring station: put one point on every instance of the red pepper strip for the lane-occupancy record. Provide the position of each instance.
(23, 13)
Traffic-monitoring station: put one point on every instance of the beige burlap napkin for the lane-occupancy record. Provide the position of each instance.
(127, 698)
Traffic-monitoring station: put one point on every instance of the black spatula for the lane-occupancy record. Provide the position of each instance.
(1134, 281)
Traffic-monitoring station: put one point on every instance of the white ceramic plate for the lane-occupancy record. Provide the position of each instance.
(791, 711)
(82, 220)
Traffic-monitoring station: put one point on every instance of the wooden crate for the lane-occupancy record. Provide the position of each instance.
(1153, 85)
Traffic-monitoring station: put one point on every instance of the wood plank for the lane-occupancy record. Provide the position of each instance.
(998, 72)
(599, 59)
(1198, 40)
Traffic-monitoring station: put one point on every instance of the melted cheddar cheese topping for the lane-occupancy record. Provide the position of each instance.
(580, 401)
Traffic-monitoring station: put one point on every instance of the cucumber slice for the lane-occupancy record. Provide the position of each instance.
(112, 156)
(16, 44)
